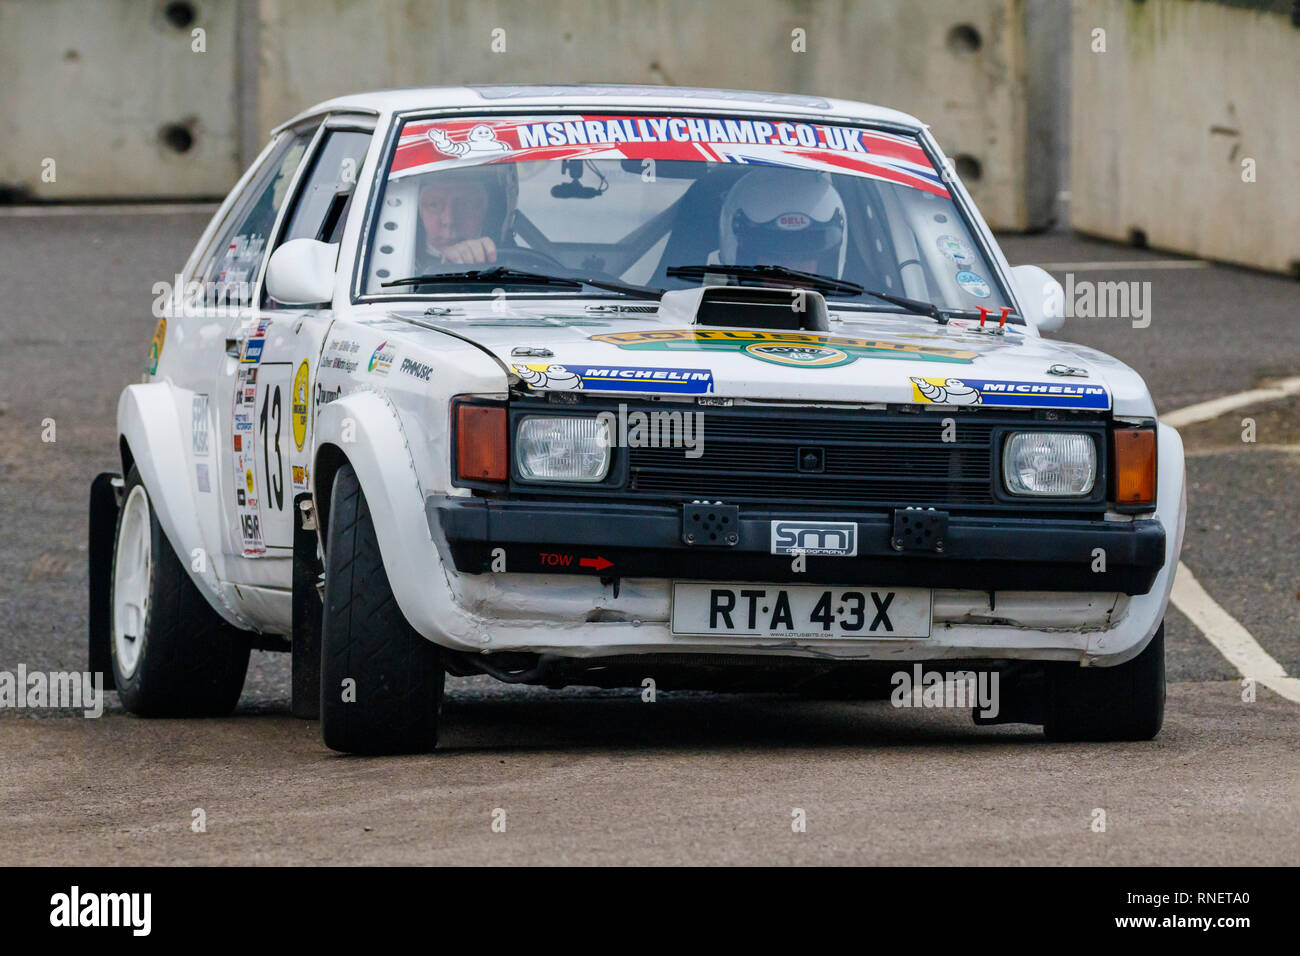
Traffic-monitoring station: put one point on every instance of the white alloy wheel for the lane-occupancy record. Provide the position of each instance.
(132, 573)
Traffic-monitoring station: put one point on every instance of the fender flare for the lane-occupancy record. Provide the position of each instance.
(149, 422)
(1171, 507)
(363, 427)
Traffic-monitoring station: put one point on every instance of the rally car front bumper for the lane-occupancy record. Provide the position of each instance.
(616, 540)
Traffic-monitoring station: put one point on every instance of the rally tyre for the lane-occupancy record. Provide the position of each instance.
(381, 682)
(172, 654)
(1126, 702)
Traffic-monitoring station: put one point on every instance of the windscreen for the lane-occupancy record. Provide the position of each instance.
(629, 197)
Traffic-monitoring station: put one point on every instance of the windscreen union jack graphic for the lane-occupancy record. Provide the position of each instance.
(427, 145)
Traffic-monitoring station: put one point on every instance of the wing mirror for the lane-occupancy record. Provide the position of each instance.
(1042, 300)
(301, 272)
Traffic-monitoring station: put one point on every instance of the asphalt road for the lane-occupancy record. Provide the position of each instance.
(585, 776)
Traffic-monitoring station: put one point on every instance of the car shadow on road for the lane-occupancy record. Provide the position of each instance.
(559, 720)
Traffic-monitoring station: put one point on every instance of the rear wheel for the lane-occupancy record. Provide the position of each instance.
(1126, 702)
(172, 654)
(381, 681)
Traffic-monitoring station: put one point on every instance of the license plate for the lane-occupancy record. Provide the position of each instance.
(803, 611)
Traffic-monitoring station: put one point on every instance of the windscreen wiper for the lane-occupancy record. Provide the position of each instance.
(626, 288)
(504, 274)
(495, 275)
(819, 283)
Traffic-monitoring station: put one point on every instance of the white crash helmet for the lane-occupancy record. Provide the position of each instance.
(779, 216)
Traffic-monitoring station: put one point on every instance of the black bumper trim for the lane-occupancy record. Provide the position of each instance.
(631, 540)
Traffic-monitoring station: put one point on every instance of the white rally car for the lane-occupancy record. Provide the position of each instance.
(611, 385)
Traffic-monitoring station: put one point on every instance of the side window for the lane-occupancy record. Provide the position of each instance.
(229, 267)
(321, 206)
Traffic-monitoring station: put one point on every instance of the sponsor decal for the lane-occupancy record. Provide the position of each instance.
(481, 139)
(849, 150)
(156, 346)
(821, 354)
(326, 395)
(416, 369)
(970, 391)
(828, 538)
(793, 221)
(606, 378)
(955, 249)
(252, 351)
(244, 414)
(973, 284)
(381, 359)
(803, 356)
(300, 407)
(202, 477)
(339, 354)
(299, 478)
(199, 430)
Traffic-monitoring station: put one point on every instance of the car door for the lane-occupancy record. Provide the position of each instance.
(219, 294)
(278, 347)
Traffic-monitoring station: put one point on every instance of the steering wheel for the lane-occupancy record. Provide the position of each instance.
(528, 260)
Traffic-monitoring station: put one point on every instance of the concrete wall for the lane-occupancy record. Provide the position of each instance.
(114, 93)
(961, 65)
(1162, 121)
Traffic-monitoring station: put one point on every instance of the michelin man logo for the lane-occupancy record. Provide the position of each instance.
(953, 391)
(549, 376)
(481, 139)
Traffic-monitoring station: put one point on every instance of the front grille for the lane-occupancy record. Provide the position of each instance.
(865, 459)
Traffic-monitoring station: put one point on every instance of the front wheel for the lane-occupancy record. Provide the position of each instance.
(172, 654)
(1125, 702)
(381, 681)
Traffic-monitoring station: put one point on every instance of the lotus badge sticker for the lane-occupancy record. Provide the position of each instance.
(803, 356)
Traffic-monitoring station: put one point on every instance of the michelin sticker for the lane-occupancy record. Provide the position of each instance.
(973, 284)
(970, 391)
(797, 349)
(679, 381)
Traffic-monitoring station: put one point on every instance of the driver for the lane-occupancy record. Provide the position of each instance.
(784, 217)
(465, 214)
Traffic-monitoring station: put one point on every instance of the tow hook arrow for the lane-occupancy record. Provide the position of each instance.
(599, 563)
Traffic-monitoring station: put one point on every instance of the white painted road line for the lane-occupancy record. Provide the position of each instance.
(1231, 639)
(108, 209)
(1207, 411)
(1125, 266)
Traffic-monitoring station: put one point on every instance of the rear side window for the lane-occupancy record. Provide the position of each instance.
(230, 265)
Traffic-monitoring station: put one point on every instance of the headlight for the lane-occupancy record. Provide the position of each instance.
(568, 448)
(1059, 464)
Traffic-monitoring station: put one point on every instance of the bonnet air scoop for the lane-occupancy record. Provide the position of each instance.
(747, 307)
